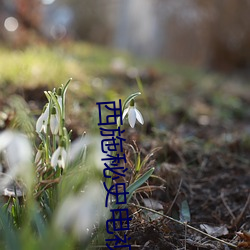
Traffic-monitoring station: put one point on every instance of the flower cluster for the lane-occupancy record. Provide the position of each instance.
(50, 116)
(52, 151)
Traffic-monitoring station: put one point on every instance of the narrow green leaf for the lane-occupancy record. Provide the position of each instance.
(11, 237)
(47, 95)
(65, 87)
(39, 222)
(138, 163)
(52, 95)
(138, 183)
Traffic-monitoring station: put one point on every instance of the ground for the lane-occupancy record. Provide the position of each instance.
(197, 122)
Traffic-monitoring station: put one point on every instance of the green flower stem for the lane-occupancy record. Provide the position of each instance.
(53, 142)
(66, 138)
(65, 87)
(126, 102)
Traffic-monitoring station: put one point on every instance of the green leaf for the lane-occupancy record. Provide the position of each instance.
(185, 212)
(11, 237)
(47, 95)
(138, 163)
(39, 222)
(136, 185)
(53, 97)
(65, 87)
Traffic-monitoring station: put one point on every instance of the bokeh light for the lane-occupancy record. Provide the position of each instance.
(11, 24)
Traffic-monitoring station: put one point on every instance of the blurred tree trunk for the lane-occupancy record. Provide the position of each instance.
(229, 34)
(92, 22)
(28, 13)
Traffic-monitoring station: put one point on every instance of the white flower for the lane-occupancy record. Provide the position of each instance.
(54, 121)
(17, 152)
(42, 122)
(79, 214)
(59, 157)
(133, 114)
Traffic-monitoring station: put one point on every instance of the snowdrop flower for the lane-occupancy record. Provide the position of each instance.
(59, 157)
(133, 114)
(79, 214)
(42, 122)
(54, 121)
(17, 152)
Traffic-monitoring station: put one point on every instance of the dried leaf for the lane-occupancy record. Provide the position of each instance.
(245, 236)
(155, 205)
(215, 231)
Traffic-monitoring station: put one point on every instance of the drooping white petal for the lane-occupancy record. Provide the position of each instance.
(39, 123)
(139, 116)
(44, 127)
(59, 157)
(54, 124)
(18, 156)
(46, 112)
(19, 151)
(5, 139)
(132, 116)
(125, 112)
(62, 161)
(55, 156)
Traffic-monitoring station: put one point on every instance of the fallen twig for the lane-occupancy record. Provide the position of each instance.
(226, 205)
(184, 224)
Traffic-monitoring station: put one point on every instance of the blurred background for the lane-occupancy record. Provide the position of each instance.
(190, 59)
(212, 34)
